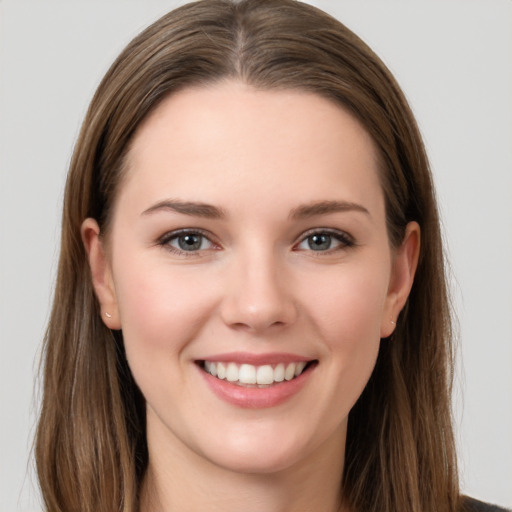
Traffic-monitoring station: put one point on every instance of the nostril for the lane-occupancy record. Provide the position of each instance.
(256, 325)
(258, 319)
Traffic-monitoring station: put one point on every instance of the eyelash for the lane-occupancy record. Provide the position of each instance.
(165, 241)
(344, 239)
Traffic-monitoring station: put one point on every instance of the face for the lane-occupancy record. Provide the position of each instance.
(249, 268)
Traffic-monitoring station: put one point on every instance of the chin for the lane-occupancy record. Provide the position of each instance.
(262, 464)
(251, 454)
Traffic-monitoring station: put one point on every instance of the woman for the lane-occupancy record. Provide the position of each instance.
(250, 252)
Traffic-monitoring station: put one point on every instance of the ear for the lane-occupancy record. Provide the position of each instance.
(404, 264)
(101, 273)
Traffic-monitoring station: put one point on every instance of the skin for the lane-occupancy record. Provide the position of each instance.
(256, 285)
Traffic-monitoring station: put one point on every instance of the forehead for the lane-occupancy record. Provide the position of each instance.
(232, 139)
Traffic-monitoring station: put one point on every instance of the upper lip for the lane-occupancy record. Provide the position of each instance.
(256, 359)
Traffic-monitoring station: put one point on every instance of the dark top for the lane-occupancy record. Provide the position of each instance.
(472, 505)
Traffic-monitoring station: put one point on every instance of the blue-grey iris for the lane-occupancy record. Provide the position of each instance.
(190, 242)
(319, 242)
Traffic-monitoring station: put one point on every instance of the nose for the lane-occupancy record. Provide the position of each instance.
(258, 296)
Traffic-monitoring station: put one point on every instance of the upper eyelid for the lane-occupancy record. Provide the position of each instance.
(328, 231)
(169, 235)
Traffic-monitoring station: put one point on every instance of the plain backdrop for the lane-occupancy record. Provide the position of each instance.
(454, 61)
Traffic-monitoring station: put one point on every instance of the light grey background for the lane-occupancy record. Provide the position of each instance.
(454, 61)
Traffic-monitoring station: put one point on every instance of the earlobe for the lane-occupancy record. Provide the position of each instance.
(405, 262)
(101, 273)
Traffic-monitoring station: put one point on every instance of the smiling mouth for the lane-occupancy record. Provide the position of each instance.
(262, 376)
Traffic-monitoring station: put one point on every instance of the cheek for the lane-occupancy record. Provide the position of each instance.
(348, 307)
(347, 313)
(161, 307)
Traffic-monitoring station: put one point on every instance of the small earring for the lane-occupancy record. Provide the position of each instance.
(107, 314)
(393, 322)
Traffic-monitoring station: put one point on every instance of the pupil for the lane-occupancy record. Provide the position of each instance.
(189, 242)
(319, 242)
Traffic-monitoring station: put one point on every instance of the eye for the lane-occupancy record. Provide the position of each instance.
(186, 241)
(325, 241)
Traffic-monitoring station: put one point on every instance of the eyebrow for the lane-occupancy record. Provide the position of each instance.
(326, 207)
(187, 208)
(209, 211)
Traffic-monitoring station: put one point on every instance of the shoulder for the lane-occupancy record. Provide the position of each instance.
(472, 505)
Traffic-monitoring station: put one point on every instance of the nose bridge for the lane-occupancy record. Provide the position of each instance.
(258, 296)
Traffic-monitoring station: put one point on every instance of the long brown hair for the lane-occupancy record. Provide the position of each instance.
(91, 448)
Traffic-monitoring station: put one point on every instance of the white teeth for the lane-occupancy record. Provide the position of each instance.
(289, 373)
(221, 370)
(298, 368)
(232, 372)
(279, 372)
(249, 374)
(210, 368)
(265, 374)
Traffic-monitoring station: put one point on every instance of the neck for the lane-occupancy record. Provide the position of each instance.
(179, 479)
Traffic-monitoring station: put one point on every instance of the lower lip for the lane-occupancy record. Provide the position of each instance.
(256, 398)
